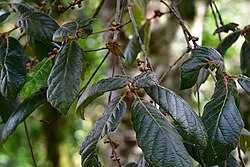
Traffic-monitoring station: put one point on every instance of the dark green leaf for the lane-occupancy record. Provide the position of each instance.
(40, 49)
(24, 7)
(133, 47)
(145, 79)
(245, 59)
(107, 123)
(64, 79)
(38, 25)
(22, 112)
(36, 78)
(13, 67)
(4, 16)
(223, 123)
(143, 163)
(194, 152)
(186, 120)
(202, 57)
(7, 107)
(244, 82)
(98, 89)
(226, 28)
(158, 139)
(230, 162)
(80, 29)
(228, 42)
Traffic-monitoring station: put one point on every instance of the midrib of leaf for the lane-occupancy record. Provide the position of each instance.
(66, 67)
(221, 110)
(157, 123)
(38, 72)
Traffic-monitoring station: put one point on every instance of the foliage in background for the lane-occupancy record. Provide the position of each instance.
(45, 65)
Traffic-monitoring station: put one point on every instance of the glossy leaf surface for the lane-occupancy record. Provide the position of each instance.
(107, 123)
(186, 120)
(38, 25)
(80, 29)
(158, 139)
(202, 57)
(223, 123)
(7, 107)
(98, 89)
(36, 78)
(24, 7)
(245, 83)
(145, 79)
(22, 112)
(227, 42)
(133, 47)
(64, 79)
(245, 59)
(13, 67)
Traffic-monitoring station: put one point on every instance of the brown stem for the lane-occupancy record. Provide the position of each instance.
(114, 155)
(187, 34)
(218, 12)
(215, 18)
(131, 15)
(47, 123)
(94, 50)
(170, 67)
(98, 9)
(29, 142)
(240, 157)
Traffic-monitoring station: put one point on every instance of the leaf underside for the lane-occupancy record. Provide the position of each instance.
(64, 79)
(245, 59)
(160, 142)
(107, 123)
(223, 123)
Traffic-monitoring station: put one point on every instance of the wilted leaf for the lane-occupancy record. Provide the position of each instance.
(107, 123)
(4, 16)
(245, 59)
(114, 48)
(80, 28)
(22, 112)
(133, 47)
(202, 57)
(36, 78)
(145, 79)
(223, 123)
(245, 83)
(7, 107)
(158, 139)
(186, 120)
(38, 25)
(227, 42)
(226, 28)
(98, 89)
(13, 67)
(64, 79)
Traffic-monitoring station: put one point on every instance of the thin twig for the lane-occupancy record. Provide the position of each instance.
(170, 67)
(240, 157)
(114, 155)
(199, 102)
(215, 18)
(98, 9)
(131, 15)
(51, 7)
(47, 123)
(92, 76)
(94, 50)
(112, 74)
(186, 32)
(29, 142)
(212, 74)
(218, 12)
